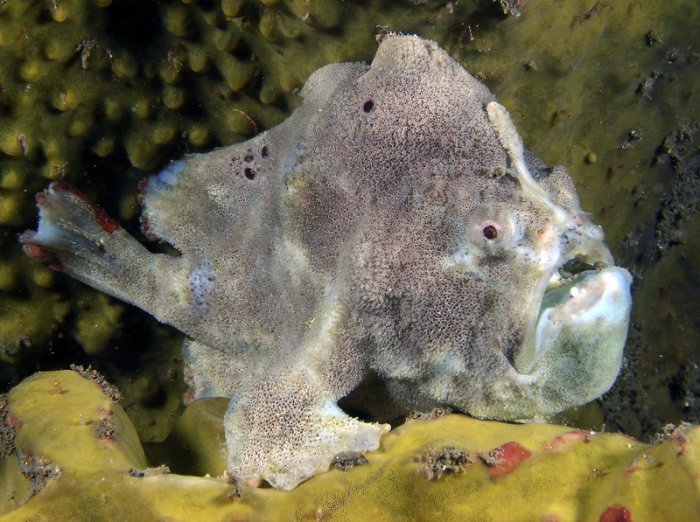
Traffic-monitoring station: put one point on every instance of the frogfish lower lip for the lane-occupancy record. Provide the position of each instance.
(589, 309)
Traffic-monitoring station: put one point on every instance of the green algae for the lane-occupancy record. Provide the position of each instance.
(596, 86)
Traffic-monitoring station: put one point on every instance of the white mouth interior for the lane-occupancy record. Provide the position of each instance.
(562, 289)
(588, 303)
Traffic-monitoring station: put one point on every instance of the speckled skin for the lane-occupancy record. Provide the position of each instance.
(393, 228)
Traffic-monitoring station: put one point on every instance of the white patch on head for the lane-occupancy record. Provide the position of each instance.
(460, 257)
(543, 260)
(201, 281)
(169, 174)
(290, 168)
(401, 368)
(447, 363)
(323, 326)
(296, 261)
(331, 409)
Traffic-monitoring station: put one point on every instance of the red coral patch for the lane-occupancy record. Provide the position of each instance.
(550, 518)
(13, 422)
(504, 459)
(566, 438)
(616, 513)
(681, 439)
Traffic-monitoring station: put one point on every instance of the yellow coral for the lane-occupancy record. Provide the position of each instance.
(506, 472)
(97, 323)
(24, 324)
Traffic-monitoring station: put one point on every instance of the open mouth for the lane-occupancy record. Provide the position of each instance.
(566, 279)
(583, 298)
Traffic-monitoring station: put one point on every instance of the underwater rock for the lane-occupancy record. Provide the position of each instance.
(567, 475)
(392, 227)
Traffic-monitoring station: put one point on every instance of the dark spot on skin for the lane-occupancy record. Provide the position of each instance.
(263, 152)
(249, 173)
(490, 232)
(368, 106)
(248, 158)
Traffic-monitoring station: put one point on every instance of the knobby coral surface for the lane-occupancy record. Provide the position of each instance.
(452, 468)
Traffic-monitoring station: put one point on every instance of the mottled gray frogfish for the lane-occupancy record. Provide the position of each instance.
(392, 230)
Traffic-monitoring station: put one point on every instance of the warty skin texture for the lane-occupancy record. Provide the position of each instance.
(392, 228)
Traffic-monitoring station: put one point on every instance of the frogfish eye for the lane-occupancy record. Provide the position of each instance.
(490, 232)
